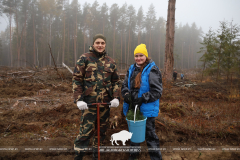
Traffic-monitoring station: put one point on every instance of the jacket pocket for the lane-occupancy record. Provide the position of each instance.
(107, 73)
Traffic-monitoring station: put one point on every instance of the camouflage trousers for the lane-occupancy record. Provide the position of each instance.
(88, 129)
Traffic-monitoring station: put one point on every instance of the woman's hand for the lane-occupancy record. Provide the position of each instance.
(138, 102)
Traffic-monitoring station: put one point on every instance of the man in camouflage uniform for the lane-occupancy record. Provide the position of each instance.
(95, 80)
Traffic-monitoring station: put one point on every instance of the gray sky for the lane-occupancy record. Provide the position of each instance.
(205, 13)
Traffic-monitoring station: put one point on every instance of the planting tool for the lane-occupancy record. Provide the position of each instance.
(98, 123)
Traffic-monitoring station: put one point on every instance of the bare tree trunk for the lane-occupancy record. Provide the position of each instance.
(63, 47)
(159, 50)
(219, 61)
(68, 47)
(75, 41)
(19, 42)
(103, 24)
(84, 40)
(25, 41)
(188, 55)
(50, 38)
(10, 39)
(128, 43)
(125, 39)
(203, 68)
(169, 59)
(18, 51)
(192, 61)
(149, 47)
(34, 41)
(139, 32)
(121, 48)
(182, 55)
(114, 29)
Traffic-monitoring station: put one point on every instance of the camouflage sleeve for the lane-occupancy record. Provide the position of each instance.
(115, 82)
(77, 80)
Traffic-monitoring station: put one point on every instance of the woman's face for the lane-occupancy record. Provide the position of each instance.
(140, 58)
(99, 45)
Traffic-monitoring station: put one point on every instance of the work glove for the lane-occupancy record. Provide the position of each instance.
(127, 98)
(114, 103)
(82, 105)
(138, 102)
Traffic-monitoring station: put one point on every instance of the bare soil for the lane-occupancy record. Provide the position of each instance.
(37, 112)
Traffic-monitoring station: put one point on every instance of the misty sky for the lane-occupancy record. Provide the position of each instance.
(205, 13)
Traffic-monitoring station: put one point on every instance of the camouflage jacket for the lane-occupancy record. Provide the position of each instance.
(95, 78)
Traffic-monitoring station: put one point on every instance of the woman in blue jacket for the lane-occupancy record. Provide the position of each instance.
(142, 86)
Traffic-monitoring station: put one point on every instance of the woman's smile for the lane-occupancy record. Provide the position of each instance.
(140, 58)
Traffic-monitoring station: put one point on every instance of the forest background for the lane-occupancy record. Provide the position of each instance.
(68, 27)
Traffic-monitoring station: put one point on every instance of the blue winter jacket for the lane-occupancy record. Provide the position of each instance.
(150, 109)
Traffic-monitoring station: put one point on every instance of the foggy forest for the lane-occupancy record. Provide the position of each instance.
(69, 27)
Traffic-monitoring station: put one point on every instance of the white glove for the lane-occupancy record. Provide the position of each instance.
(114, 103)
(82, 105)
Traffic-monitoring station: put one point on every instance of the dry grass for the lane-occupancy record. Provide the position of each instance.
(209, 108)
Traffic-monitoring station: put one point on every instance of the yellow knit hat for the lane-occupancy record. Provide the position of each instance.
(141, 48)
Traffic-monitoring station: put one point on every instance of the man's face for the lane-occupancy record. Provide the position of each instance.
(140, 58)
(99, 45)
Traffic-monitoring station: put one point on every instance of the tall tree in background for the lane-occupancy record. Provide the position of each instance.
(75, 15)
(131, 16)
(150, 23)
(32, 10)
(103, 17)
(114, 16)
(159, 32)
(8, 9)
(86, 15)
(95, 19)
(64, 5)
(169, 59)
(122, 28)
(21, 15)
(139, 23)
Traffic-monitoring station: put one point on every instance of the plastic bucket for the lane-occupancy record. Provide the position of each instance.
(138, 130)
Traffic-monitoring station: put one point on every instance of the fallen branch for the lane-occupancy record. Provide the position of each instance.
(7, 130)
(160, 123)
(25, 77)
(54, 61)
(37, 100)
(20, 72)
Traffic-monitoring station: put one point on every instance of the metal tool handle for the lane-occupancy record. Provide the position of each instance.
(98, 122)
(93, 104)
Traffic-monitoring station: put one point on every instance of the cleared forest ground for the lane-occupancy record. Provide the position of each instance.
(38, 119)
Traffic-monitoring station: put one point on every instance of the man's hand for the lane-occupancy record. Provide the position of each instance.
(82, 105)
(114, 103)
